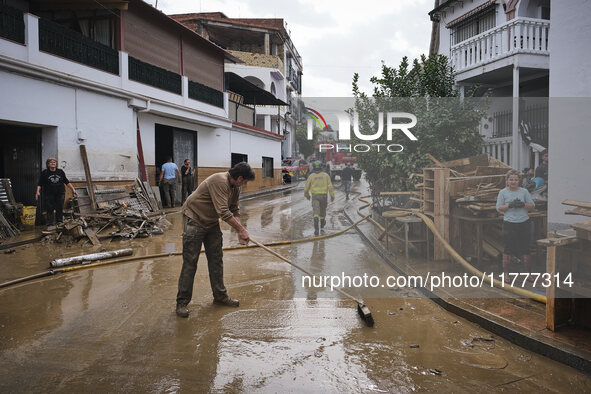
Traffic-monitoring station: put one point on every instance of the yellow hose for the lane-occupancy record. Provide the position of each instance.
(456, 256)
(470, 268)
(228, 248)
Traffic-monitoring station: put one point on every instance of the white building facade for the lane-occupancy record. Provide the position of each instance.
(536, 53)
(269, 61)
(502, 48)
(112, 99)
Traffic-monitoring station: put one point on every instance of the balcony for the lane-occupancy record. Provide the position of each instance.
(61, 41)
(518, 36)
(29, 42)
(12, 25)
(259, 60)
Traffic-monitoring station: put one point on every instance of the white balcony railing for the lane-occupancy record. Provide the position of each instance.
(499, 148)
(520, 35)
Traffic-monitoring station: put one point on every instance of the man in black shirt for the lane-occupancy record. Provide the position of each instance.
(187, 178)
(52, 181)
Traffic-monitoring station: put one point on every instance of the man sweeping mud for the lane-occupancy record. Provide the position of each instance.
(215, 198)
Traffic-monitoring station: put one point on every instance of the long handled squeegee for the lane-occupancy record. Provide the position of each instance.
(363, 310)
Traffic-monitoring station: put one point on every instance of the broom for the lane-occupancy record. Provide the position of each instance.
(363, 310)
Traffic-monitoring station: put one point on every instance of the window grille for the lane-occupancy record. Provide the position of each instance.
(472, 26)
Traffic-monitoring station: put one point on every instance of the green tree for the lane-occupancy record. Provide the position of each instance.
(447, 126)
(306, 146)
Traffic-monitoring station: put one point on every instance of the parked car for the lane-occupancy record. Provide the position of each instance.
(294, 169)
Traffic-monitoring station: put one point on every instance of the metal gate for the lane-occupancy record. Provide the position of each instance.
(184, 147)
(20, 160)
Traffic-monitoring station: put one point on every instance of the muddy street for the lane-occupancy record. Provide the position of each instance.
(114, 329)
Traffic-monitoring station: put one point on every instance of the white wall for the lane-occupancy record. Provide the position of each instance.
(105, 123)
(262, 73)
(570, 119)
(256, 148)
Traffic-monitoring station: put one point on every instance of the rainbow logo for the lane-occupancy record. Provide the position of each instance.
(317, 117)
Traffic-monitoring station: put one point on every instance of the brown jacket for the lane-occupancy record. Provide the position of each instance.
(214, 199)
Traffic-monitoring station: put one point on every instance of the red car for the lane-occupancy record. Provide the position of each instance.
(294, 169)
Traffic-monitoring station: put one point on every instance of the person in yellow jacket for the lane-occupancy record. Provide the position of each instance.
(319, 184)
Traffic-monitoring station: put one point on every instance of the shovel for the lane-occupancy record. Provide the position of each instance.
(363, 310)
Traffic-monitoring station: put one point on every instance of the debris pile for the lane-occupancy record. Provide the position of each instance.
(119, 221)
(10, 211)
(480, 199)
(583, 208)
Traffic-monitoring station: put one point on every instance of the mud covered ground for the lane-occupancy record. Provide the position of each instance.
(113, 328)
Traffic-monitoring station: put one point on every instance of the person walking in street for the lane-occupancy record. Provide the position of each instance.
(51, 184)
(514, 202)
(346, 176)
(187, 179)
(215, 198)
(168, 175)
(319, 185)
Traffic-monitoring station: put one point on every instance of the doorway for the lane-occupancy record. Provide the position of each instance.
(179, 143)
(20, 160)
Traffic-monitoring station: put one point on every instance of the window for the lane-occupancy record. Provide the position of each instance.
(473, 25)
(238, 157)
(267, 167)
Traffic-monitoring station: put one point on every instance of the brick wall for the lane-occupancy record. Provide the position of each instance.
(259, 60)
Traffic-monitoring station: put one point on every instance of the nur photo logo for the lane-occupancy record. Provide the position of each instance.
(393, 123)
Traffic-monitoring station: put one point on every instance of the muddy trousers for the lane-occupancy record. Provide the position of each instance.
(186, 189)
(169, 190)
(319, 203)
(54, 202)
(193, 237)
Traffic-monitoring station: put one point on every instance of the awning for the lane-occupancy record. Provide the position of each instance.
(252, 94)
(480, 9)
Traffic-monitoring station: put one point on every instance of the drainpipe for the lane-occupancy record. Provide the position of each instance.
(516, 142)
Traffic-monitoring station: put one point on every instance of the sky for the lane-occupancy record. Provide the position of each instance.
(335, 38)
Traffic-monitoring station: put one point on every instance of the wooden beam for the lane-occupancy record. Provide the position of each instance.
(583, 229)
(582, 204)
(441, 210)
(89, 184)
(579, 211)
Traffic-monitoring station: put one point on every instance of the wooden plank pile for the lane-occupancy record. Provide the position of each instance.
(106, 224)
(10, 211)
(583, 208)
(480, 199)
(139, 196)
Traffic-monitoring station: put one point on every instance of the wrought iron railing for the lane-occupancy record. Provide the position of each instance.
(533, 117)
(154, 76)
(12, 24)
(206, 94)
(503, 124)
(59, 40)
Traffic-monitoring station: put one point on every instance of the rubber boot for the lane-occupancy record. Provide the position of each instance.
(322, 223)
(316, 230)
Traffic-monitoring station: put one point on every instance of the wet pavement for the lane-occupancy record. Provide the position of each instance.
(113, 328)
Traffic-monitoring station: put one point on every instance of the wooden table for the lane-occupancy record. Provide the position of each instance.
(407, 221)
